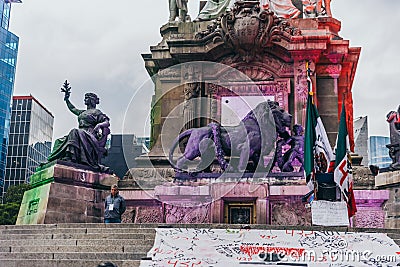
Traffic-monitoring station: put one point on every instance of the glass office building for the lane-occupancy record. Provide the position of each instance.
(31, 132)
(8, 61)
(122, 151)
(361, 138)
(378, 152)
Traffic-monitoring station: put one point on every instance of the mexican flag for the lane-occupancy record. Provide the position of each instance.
(343, 174)
(317, 150)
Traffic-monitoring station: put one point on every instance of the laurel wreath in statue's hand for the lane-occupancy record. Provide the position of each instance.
(66, 89)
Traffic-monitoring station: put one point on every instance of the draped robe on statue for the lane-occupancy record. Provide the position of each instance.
(81, 145)
(282, 8)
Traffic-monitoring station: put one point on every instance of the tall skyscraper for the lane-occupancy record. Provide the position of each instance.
(378, 152)
(8, 61)
(31, 132)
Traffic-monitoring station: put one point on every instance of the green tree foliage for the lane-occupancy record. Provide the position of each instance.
(9, 213)
(15, 193)
(12, 201)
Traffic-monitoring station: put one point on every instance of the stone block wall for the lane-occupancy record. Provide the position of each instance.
(74, 204)
(61, 203)
(205, 204)
(392, 209)
(391, 182)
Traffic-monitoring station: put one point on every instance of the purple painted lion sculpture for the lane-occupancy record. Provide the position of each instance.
(252, 139)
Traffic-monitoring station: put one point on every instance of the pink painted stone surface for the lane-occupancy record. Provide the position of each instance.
(370, 213)
(274, 204)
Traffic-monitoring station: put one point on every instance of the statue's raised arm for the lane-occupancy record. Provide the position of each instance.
(66, 89)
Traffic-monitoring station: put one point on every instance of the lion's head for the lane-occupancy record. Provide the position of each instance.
(282, 118)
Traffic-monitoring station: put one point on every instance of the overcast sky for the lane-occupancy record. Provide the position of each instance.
(97, 46)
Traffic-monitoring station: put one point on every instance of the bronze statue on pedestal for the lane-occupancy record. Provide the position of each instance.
(86, 144)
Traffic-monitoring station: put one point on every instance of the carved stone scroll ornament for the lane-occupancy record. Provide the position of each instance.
(248, 30)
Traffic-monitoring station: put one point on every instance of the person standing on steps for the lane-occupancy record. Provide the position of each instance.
(114, 206)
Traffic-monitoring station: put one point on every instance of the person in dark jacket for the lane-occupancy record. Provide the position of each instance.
(114, 206)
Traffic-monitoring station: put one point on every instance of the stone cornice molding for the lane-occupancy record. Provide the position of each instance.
(332, 70)
(311, 55)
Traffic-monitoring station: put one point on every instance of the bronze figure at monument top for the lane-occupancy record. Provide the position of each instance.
(284, 9)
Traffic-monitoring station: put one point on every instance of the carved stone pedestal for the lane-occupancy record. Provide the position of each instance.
(212, 200)
(65, 194)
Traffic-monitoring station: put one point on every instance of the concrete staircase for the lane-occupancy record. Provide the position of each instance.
(74, 245)
(86, 245)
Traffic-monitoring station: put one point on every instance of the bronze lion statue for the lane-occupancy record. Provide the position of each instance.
(252, 139)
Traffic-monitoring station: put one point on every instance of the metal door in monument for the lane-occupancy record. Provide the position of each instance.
(239, 213)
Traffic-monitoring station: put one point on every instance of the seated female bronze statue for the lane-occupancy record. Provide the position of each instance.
(85, 145)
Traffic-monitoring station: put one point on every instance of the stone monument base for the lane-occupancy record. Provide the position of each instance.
(65, 193)
(274, 200)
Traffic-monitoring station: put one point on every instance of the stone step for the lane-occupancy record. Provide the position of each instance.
(394, 235)
(104, 236)
(100, 256)
(80, 225)
(72, 235)
(137, 248)
(86, 245)
(72, 242)
(64, 263)
(116, 242)
(78, 230)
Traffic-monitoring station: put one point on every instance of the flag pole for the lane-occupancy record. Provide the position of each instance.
(311, 94)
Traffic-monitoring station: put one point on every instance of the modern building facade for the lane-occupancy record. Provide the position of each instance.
(122, 152)
(31, 132)
(378, 152)
(361, 138)
(8, 61)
